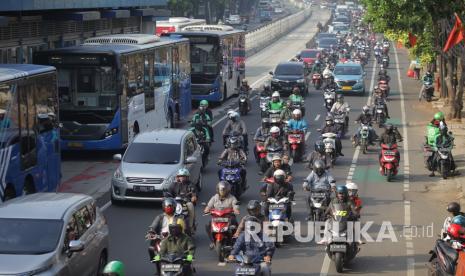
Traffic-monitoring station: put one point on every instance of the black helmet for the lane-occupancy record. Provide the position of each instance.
(175, 229)
(389, 127)
(319, 146)
(453, 208)
(329, 120)
(266, 123)
(319, 167)
(234, 141)
(341, 189)
(253, 207)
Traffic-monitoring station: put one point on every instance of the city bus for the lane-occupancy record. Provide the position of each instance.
(29, 130)
(176, 24)
(217, 60)
(112, 88)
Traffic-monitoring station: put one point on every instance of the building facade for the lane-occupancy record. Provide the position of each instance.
(31, 25)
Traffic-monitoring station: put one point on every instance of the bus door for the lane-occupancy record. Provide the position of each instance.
(175, 73)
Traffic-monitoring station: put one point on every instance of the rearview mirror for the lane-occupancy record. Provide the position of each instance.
(76, 246)
(117, 157)
(191, 160)
(271, 72)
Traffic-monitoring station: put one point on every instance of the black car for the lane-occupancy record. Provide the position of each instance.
(326, 43)
(287, 75)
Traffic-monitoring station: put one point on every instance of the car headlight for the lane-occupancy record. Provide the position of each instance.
(360, 81)
(111, 132)
(118, 175)
(301, 81)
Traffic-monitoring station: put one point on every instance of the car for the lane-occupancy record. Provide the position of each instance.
(339, 29)
(308, 56)
(287, 75)
(151, 162)
(326, 43)
(52, 234)
(234, 19)
(324, 35)
(350, 77)
(341, 19)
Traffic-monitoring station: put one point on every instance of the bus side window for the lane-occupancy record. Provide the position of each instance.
(27, 125)
(8, 114)
(148, 83)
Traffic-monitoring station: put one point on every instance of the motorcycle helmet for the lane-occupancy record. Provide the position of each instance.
(182, 175)
(198, 126)
(340, 98)
(319, 167)
(288, 103)
(275, 96)
(234, 116)
(169, 206)
(223, 188)
(254, 208)
(342, 192)
(455, 230)
(317, 62)
(114, 268)
(274, 131)
(365, 109)
(453, 208)
(279, 176)
(389, 128)
(296, 90)
(459, 220)
(352, 189)
(297, 113)
(266, 123)
(428, 73)
(245, 82)
(204, 103)
(233, 141)
(439, 116)
(175, 229)
(319, 146)
(329, 120)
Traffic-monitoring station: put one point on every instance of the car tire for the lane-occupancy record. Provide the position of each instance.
(102, 262)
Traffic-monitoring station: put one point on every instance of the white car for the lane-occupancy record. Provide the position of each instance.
(234, 19)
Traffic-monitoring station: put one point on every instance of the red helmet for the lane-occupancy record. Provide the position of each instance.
(454, 230)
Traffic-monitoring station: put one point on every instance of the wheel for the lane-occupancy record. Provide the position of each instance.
(28, 187)
(263, 165)
(363, 145)
(219, 251)
(338, 261)
(243, 110)
(102, 262)
(9, 193)
(225, 93)
(294, 155)
(389, 175)
(444, 170)
(200, 182)
(171, 123)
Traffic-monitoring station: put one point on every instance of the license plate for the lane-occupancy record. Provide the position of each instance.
(220, 219)
(143, 188)
(337, 247)
(276, 206)
(171, 267)
(245, 271)
(318, 195)
(389, 153)
(75, 145)
(347, 88)
(295, 136)
(428, 153)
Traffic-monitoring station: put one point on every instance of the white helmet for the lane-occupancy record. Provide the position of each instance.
(233, 114)
(275, 157)
(274, 129)
(275, 94)
(351, 186)
(279, 173)
(297, 112)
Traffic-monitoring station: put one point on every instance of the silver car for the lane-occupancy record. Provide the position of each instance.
(151, 162)
(52, 234)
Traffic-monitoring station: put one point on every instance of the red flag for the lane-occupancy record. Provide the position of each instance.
(456, 35)
(412, 39)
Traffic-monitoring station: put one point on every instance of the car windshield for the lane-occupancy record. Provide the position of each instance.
(153, 153)
(29, 236)
(326, 43)
(289, 70)
(347, 70)
(341, 28)
(308, 54)
(325, 35)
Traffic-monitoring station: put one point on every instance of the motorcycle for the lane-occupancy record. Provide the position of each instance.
(380, 116)
(272, 151)
(329, 139)
(364, 137)
(386, 47)
(340, 248)
(204, 146)
(428, 156)
(222, 231)
(444, 161)
(316, 80)
(443, 259)
(183, 212)
(231, 173)
(340, 123)
(173, 265)
(298, 105)
(389, 163)
(384, 87)
(261, 154)
(385, 61)
(330, 98)
(275, 117)
(427, 92)
(155, 241)
(264, 99)
(296, 147)
(278, 214)
(243, 102)
(319, 202)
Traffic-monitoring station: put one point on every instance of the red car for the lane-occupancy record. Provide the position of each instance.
(308, 56)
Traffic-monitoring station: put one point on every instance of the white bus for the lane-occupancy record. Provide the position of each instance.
(176, 24)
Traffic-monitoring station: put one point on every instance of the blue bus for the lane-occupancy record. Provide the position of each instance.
(29, 130)
(113, 87)
(215, 70)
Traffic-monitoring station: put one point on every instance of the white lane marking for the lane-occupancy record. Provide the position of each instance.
(327, 261)
(221, 264)
(104, 207)
(407, 205)
(307, 135)
(317, 117)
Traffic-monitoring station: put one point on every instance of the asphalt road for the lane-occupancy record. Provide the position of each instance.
(398, 204)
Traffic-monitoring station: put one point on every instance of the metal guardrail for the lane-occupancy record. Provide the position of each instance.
(262, 37)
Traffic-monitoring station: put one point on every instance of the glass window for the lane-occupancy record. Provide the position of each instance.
(135, 73)
(72, 232)
(184, 61)
(8, 110)
(289, 70)
(152, 153)
(29, 236)
(46, 102)
(162, 67)
(205, 57)
(84, 219)
(190, 146)
(148, 83)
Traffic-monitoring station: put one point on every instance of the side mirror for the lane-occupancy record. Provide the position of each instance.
(203, 204)
(271, 73)
(117, 157)
(191, 160)
(76, 246)
(364, 73)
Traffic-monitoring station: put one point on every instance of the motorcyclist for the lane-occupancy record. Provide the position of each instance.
(202, 134)
(317, 67)
(390, 136)
(341, 107)
(318, 179)
(331, 84)
(234, 154)
(297, 122)
(445, 140)
(382, 74)
(352, 189)
(262, 133)
(205, 117)
(223, 199)
(295, 97)
(275, 139)
(179, 244)
(330, 127)
(279, 189)
(342, 197)
(327, 73)
(379, 97)
(114, 268)
(427, 79)
(249, 246)
(277, 164)
(235, 124)
(317, 154)
(159, 225)
(254, 209)
(365, 118)
(454, 209)
(246, 88)
(286, 114)
(275, 103)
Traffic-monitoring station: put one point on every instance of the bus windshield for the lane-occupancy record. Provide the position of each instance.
(205, 58)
